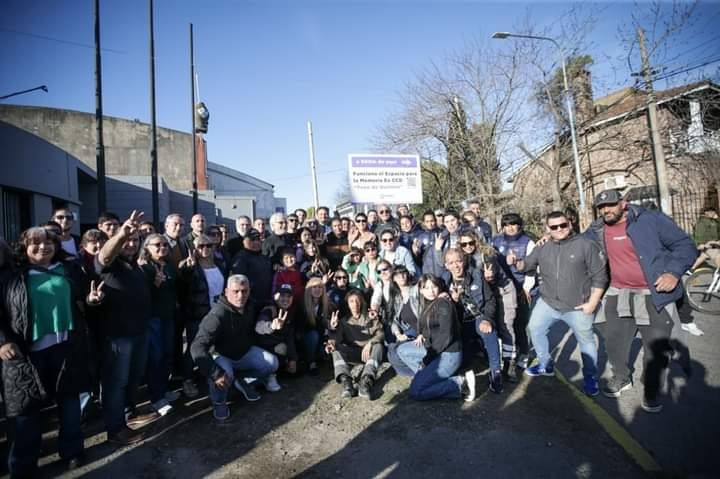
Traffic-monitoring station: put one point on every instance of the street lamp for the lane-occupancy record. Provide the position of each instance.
(571, 115)
(41, 87)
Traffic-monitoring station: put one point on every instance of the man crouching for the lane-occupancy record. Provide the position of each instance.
(228, 331)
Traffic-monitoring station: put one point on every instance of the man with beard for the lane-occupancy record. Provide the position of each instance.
(647, 254)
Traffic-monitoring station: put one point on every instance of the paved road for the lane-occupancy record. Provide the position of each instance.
(683, 438)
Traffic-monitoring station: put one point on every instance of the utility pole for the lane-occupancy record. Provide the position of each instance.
(99, 141)
(657, 148)
(153, 122)
(462, 127)
(192, 132)
(312, 165)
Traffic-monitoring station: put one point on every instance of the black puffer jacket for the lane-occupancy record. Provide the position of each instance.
(22, 389)
(195, 299)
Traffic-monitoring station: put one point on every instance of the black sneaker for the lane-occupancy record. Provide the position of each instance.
(247, 390)
(496, 382)
(651, 405)
(348, 387)
(510, 370)
(615, 386)
(365, 389)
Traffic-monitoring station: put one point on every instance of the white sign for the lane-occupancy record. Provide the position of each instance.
(390, 179)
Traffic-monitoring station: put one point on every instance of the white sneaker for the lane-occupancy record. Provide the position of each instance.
(692, 329)
(469, 378)
(271, 384)
(172, 396)
(190, 389)
(161, 407)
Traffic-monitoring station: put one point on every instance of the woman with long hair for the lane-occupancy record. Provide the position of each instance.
(355, 339)
(44, 349)
(312, 322)
(439, 333)
(360, 234)
(404, 355)
(161, 277)
(203, 277)
(312, 263)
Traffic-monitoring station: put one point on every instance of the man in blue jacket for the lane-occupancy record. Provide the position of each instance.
(647, 255)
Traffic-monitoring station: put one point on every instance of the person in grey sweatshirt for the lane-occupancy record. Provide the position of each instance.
(574, 277)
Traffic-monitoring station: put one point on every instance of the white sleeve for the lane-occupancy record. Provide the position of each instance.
(529, 282)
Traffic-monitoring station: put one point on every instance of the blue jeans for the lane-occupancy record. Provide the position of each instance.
(489, 341)
(160, 356)
(406, 357)
(124, 361)
(543, 317)
(309, 345)
(26, 430)
(191, 330)
(436, 380)
(256, 363)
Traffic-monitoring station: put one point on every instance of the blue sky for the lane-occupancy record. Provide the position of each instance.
(266, 67)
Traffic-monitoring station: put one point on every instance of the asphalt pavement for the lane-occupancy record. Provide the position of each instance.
(682, 439)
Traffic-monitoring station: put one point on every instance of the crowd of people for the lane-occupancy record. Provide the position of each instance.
(92, 318)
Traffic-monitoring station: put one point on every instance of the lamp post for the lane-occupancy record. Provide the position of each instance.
(41, 87)
(568, 105)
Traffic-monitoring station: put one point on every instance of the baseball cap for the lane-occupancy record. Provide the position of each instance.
(607, 197)
(285, 289)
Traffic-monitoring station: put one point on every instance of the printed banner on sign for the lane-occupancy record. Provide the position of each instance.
(385, 178)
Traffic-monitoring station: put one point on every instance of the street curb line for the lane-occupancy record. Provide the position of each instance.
(619, 434)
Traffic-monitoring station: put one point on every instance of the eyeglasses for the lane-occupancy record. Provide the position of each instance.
(360, 221)
(560, 226)
(387, 240)
(338, 278)
(64, 217)
(201, 246)
(383, 270)
(465, 244)
(159, 245)
(370, 249)
(383, 211)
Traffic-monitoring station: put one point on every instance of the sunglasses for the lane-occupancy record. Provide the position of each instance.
(292, 220)
(383, 270)
(360, 221)
(370, 249)
(64, 217)
(465, 244)
(202, 246)
(387, 240)
(383, 211)
(560, 226)
(159, 245)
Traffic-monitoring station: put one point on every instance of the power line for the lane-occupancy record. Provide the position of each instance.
(58, 40)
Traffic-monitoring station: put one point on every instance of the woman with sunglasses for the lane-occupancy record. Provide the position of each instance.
(439, 333)
(203, 278)
(360, 234)
(44, 348)
(221, 255)
(368, 266)
(484, 258)
(161, 277)
(404, 355)
(394, 253)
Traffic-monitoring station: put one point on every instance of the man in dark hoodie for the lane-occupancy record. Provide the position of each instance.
(224, 351)
(252, 263)
(574, 276)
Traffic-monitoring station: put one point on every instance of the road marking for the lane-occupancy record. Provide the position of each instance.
(613, 428)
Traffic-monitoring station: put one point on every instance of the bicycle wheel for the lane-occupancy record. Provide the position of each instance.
(697, 288)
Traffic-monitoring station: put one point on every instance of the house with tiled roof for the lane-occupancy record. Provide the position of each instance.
(615, 151)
